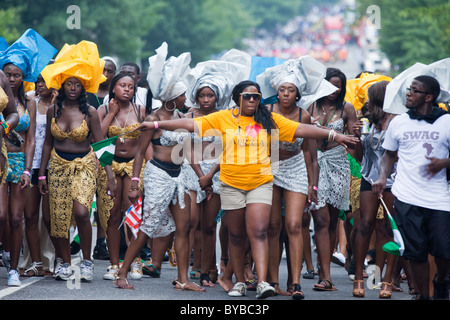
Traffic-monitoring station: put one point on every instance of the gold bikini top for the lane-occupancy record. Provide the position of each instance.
(77, 135)
(3, 99)
(115, 131)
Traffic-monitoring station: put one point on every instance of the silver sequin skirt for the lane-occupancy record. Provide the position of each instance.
(160, 191)
(334, 178)
(291, 174)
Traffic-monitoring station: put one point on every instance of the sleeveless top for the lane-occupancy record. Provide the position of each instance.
(114, 131)
(297, 144)
(170, 138)
(77, 135)
(41, 123)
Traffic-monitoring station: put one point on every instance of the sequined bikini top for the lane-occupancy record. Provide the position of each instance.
(78, 134)
(114, 131)
(3, 99)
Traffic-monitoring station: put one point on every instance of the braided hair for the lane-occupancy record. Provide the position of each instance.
(262, 115)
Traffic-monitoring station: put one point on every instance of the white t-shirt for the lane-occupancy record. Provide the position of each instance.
(414, 140)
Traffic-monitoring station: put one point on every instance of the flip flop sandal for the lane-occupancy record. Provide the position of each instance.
(324, 285)
(146, 270)
(297, 294)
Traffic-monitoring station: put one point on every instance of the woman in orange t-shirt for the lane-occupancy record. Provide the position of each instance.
(247, 132)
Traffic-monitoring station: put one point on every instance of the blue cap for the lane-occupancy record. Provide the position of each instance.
(31, 53)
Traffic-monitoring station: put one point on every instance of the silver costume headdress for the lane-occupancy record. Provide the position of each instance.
(166, 78)
(306, 73)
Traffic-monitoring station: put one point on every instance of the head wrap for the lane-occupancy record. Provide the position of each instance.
(220, 76)
(306, 73)
(395, 98)
(31, 53)
(108, 58)
(357, 89)
(166, 78)
(80, 61)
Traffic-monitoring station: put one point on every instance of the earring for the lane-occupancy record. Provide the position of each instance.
(174, 106)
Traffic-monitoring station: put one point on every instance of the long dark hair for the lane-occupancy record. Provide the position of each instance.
(82, 100)
(376, 93)
(331, 73)
(262, 115)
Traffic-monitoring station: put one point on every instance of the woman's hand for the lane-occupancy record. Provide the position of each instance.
(147, 125)
(134, 195)
(345, 140)
(24, 181)
(43, 188)
(357, 128)
(113, 106)
(111, 187)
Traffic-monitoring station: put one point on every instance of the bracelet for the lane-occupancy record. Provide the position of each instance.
(26, 172)
(42, 177)
(331, 135)
(135, 179)
(315, 188)
(6, 127)
(155, 123)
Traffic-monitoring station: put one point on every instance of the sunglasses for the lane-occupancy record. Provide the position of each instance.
(249, 95)
(412, 90)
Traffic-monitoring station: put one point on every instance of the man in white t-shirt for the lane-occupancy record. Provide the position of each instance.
(420, 139)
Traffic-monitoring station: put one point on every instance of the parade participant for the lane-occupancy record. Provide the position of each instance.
(294, 175)
(119, 118)
(22, 61)
(420, 138)
(210, 85)
(246, 178)
(369, 152)
(334, 172)
(72, 166)
(166, 204)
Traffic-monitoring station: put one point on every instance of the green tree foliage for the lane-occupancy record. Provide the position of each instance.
(413, 31)
(8, 24)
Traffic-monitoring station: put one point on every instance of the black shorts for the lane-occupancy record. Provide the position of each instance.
(367, 186)
(424, 231)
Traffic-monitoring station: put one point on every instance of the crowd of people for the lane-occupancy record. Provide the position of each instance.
(202, 144)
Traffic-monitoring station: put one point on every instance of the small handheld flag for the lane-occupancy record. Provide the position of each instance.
(105, 150)
(397, 247)
(133, 217)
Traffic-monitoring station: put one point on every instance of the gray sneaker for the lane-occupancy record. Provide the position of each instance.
(264, 290)
(87, 270)
(239, 290)
(65, 272)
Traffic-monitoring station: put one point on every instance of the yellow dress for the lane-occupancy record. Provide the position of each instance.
(3, 171)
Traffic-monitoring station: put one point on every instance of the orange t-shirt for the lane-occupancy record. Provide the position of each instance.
(245, 161)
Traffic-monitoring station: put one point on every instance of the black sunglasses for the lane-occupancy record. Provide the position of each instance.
(412, 90)
(248, 96)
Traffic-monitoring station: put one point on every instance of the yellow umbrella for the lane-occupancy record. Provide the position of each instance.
(81, 61)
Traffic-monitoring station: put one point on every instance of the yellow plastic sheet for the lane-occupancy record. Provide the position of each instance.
(356, 90)
(81, 61)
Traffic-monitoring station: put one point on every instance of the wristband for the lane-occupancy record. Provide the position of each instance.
(42, 177)
(135, 179)
(315, 188)
(155, 123)
(6, 127)
(27, 173)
